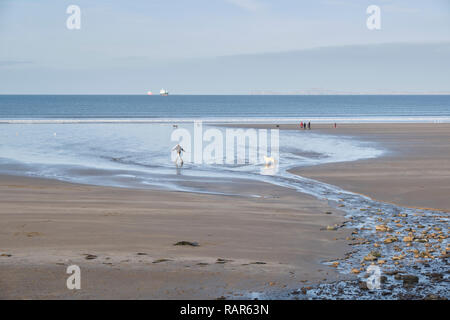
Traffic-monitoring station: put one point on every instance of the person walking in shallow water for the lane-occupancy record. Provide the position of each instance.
(309, 125)
(179, 149)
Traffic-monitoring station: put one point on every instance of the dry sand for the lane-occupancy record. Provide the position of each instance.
(47, 225)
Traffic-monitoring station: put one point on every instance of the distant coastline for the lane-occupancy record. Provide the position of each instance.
(324, 92)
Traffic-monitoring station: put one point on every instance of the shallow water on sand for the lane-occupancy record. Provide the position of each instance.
(139, 155)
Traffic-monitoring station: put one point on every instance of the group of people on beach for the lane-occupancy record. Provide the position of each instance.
(304, 125)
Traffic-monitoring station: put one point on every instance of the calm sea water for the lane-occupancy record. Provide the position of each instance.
(69, 139)
(319, 108)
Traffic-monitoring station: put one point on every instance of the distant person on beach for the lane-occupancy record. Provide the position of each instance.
(309, 125)
(301, 125)
(178, 149)
(335, 125)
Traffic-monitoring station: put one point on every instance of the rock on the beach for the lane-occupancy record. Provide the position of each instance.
(390, 240)
(382, 228)
(363, 285)
(408, 279)
(186, 243)
(370, 257)
(408, 239)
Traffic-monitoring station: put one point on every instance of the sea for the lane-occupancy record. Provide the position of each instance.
(127, 140)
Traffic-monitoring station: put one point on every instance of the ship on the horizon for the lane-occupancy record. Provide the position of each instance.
(164, 92)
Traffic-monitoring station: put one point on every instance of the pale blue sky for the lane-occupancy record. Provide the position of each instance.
(134, 46)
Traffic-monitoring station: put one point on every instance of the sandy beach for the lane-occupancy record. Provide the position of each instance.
(414, 172)
(123, 239)
(245, 244)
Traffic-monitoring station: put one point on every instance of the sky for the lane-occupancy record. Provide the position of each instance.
(223, 46)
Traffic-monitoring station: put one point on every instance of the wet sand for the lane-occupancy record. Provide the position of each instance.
(265, 245)
(415, 171)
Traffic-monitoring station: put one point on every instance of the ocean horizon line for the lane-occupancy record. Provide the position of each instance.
(235, 120)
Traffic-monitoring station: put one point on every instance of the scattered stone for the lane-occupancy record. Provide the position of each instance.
(370, 257)
(408, 280)
(223, 261)
(186, 243)
(408, 239)
(390, 240)
(355, 271)
(376, 254)
(6, 255)
(161, 260)
(331, 228)
(391, 273)
(363, 285)
(382, 228)
(141, 254)
(258, 262)
(436, 277)
(90, 257)
(33, 234)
